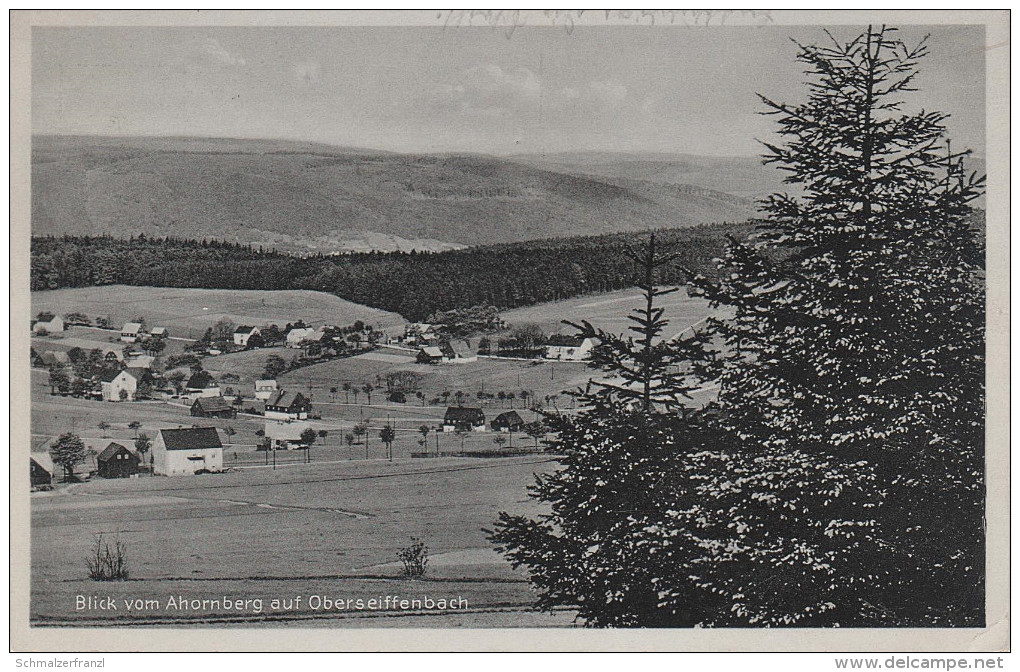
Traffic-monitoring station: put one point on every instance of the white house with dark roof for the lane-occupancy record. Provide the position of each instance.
(177, 452)
(202, 384)
(286, 435)
(297, 336)
(52, 326)
(242, 334)
(569, 349)
(116, 381)
(265, 388)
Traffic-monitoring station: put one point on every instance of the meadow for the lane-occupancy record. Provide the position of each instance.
(609, 311)
(326, 529)
(189, 312)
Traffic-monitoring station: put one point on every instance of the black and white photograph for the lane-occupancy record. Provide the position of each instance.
(511, 322)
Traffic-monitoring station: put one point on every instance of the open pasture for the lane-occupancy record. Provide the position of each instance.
(609, 312)
(331, 529)
(189, 312)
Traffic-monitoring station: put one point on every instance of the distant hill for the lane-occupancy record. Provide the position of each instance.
(308, 197)
(739, 176)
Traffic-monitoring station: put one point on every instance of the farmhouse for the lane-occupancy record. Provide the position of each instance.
(568, 348)
(458, 352)
(159, 332)
(265, 389)
(116, 381)
(51, 358)
(297, 336)
(51, 326)
(430, 354)
(460, 419)
(140, 361)
(40, 469)
(130, 332)
(201, 384)
(285, 435)
(509, 421)
(116, 461)
(283, 405)
(242, 334)
(185, 451)
(212, 407)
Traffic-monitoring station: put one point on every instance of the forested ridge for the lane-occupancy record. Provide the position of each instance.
(413, 284)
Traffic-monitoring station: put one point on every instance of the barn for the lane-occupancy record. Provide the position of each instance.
(116, 461)
(509, 421)
(177, 452)
(212, 407)
(40, 469)
(283, 405)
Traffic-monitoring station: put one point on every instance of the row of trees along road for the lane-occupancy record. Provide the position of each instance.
(839, 478)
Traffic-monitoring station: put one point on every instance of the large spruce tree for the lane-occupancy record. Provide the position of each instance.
(841, 481)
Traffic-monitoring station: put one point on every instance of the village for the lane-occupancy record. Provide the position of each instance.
(194, 439)
(285, 407)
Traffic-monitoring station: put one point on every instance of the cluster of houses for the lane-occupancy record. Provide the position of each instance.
(435, 350)
(470, 419)
(174, 452)
(132, 332)
(457, 352)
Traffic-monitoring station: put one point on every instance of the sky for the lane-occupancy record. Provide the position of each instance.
(674, 89)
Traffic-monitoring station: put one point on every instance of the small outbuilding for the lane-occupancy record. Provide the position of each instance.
(430, 354)
(40, 469)
(117, 461)
(212, 407)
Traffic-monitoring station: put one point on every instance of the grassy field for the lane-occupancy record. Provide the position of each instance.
(189, 312)
(609, 311)
(331, 530)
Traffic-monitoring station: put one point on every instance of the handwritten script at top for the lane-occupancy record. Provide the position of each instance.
(509, 20)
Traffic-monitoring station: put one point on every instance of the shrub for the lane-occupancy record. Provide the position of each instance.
(415, 558)
(106, 563)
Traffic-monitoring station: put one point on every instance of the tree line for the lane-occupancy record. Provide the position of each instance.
(412, 284)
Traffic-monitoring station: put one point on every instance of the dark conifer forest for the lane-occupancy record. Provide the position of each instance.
(414, 284)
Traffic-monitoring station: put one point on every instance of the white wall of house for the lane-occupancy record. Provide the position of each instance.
(278, 415)
(182, 462)
(285, 434)
(265, 388)
(570, 353)
(123, 381)
(53, 326)
(295, 337)
(242, 339)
